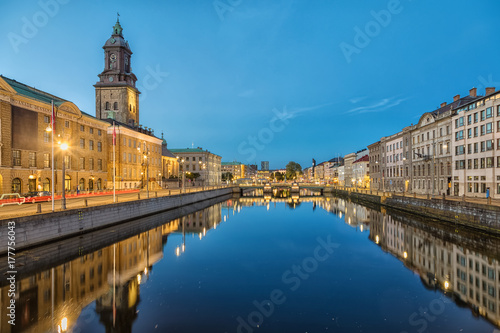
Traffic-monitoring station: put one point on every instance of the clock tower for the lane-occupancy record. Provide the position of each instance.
(116, 95)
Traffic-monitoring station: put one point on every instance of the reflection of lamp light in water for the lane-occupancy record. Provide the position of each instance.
(340, 214)
(377, 239)
(177, 251)
(361, 228)
(139, 278)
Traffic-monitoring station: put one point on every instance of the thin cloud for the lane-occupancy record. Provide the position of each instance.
(357, 99)
(378, 106)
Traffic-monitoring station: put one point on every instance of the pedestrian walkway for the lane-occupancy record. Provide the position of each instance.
(482, 201)
(84, 200)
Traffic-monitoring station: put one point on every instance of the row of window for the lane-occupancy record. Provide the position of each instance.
(474, 132)
(484, 114)
(477, 163)
(107, 106)
(136, 144)
(46, 119)
(32, 157)
(421, 137)
(136, 159)
(91, 144)
(420, 170)
(441, 149)
(396, 145)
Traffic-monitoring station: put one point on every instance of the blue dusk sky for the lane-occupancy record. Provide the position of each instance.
(255, 80)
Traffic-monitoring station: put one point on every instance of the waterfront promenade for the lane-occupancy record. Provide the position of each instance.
(84, 200)
(482, 201)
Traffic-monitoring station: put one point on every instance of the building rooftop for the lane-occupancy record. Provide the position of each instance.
(231, 163)
(191, 150)
(455, 104)
(362, 159)
(33, 93)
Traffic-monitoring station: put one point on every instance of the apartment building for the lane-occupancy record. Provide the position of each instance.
(476, 160)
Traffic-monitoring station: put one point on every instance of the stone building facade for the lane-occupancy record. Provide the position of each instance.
(26, 145)
(197, 160)
(476, 139)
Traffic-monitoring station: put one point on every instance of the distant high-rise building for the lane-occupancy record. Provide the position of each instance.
(264, 165)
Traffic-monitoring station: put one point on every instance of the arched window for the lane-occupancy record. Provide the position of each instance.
(16, 185)
(91, 184)
(67, 183)
(81, 184)
(107, 106)
(46, 184)
(99, 184)
(115, 106)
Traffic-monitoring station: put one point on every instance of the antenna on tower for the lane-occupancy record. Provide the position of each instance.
(192, 144)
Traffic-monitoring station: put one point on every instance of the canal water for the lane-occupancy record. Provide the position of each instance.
(255, 264)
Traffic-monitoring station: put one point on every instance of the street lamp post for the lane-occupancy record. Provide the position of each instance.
(146, 164)
(64, 147)
(183, 174)
(49, 129)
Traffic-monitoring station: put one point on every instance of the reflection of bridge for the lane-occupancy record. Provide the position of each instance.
(293, 187)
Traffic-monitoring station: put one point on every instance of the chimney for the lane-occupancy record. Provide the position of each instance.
(490, 90)
(456, 98)
(473, 92)
(443, 104)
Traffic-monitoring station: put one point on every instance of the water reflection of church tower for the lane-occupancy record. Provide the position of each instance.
(131, 262)
(127, 299)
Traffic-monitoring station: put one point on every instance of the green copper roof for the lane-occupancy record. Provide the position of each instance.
(117, 29)
(231, 163)
(191, 150)
(187, 150)
(33, 93)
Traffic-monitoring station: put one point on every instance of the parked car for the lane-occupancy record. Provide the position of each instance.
(11, 198)
(38, 196)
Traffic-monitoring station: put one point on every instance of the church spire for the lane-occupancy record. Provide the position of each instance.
(117, 29)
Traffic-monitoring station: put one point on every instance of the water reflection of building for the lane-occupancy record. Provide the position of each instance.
(134, 260)
(355, 215)
(52, 300)
(470, 277)
(199, 223)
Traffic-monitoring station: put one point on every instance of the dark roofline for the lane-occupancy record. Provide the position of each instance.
(455, 105)
(35, 89)
(136, 129)
(476, 99)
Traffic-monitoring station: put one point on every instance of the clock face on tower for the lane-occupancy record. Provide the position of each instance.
(112, 57)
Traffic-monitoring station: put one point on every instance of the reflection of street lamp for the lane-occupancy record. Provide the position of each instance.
(64, 147)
